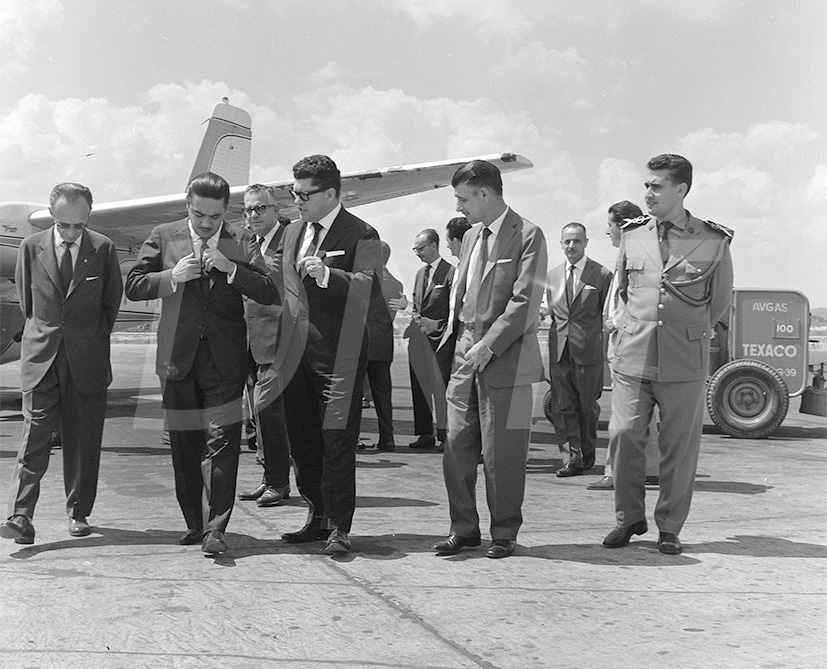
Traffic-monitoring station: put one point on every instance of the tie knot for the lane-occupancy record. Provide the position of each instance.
(486, 233)
(67, 245)
(666, 225)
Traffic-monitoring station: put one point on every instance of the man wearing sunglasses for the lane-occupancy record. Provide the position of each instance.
(69, 286)
(330, 269)
(261, 217)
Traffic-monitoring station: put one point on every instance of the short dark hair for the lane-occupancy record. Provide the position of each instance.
(479, 173)
(575, 224)
(457, 227)
(624, 210)
(271, 191)
(209, 185)
(321, 169)
(431, 235)
(679, 168)
(70, 191)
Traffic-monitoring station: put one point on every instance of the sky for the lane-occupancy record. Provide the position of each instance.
(114, 95)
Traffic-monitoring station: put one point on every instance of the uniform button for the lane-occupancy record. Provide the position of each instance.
(663, 291)
(660, 306)
(660, 322)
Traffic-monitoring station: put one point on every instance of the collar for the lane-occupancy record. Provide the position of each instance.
(497, 223)
(59, 240)
(327, 220)
(433, 265)
(681, 222)
(580, 264)
(214, 239)
(269, 236)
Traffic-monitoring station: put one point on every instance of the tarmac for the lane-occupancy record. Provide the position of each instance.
(748, 591)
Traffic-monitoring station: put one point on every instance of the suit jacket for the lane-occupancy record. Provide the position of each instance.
(432, 307)
(83, 320)
(263, 319)
(321, 322)
(508, 303)
(380, 316)
(581, 324)
(187, 313)
(662, 334)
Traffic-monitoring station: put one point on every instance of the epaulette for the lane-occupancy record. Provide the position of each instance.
(721, 228)
(634, 222)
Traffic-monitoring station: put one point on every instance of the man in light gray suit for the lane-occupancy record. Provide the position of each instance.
(495, 305)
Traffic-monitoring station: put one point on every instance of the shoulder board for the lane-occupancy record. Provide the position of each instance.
(629, 223)
(721, 228)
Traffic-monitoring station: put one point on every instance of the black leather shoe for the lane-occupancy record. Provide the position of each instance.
(312, 531)
(501, 548)
(422, 442)
(620, 536)
(440, 447)
(214, 543)
(570, 469)
(78, 527)
(18, 528)
(337, 542)
(191, 537)
(669, 544)
(273, 496)
(386, 448)
(455, 543)
(606, 483)
(253, 494)
(588, 463)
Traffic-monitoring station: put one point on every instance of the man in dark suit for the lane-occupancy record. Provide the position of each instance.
(386, 298)
(327, 274)
(201, 268)
(576, 293)
(429, 368)
(261, 214)
(495, 307)
(69, 286)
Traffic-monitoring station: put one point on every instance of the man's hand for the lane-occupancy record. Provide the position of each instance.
(214, 259)
(186, 269)
(479, 356)
(313, 266)
(398, 303)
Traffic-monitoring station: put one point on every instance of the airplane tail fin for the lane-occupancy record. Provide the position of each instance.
(225, 149)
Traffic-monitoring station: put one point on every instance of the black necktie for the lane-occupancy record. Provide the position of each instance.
(205, 276)
(66, 267)
(314, 243)
(570, 286)
(663, 230)
(426, 280)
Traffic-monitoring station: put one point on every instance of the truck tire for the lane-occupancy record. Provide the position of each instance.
(747, 399)
(547, 406)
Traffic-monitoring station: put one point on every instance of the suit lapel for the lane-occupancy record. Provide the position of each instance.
(86, 253)
(339, 229)
(586, 275)
(507, 231)
(558, 283)
(48, 258)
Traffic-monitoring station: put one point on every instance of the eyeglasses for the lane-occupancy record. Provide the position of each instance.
(258, 209)
(304, 196)
(70, 226)
(421, 248)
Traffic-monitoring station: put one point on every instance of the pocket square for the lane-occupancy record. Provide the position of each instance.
(333, 254)
(438, 285)
(92, 278)
(588, 287)
(501, 260)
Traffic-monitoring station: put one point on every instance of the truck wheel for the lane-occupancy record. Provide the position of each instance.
(747, 399)
(547, 406)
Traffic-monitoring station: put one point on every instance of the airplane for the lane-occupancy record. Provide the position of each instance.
(225, 150)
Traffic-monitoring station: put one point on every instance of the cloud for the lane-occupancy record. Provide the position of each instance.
(536, 70)
(494, 20)
(20, 23)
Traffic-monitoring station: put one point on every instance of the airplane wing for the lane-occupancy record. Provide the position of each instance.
(129, 222)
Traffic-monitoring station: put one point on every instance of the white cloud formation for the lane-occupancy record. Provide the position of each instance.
(494, 20)
(20, 23)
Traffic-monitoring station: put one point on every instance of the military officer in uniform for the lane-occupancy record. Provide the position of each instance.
(675, 283)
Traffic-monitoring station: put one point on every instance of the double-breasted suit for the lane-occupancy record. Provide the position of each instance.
(64, 365)
(322, 356)
(576, 358)
(489, 412)
(263, 329)
(201, 361)
(661, 355)
(429, 363)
